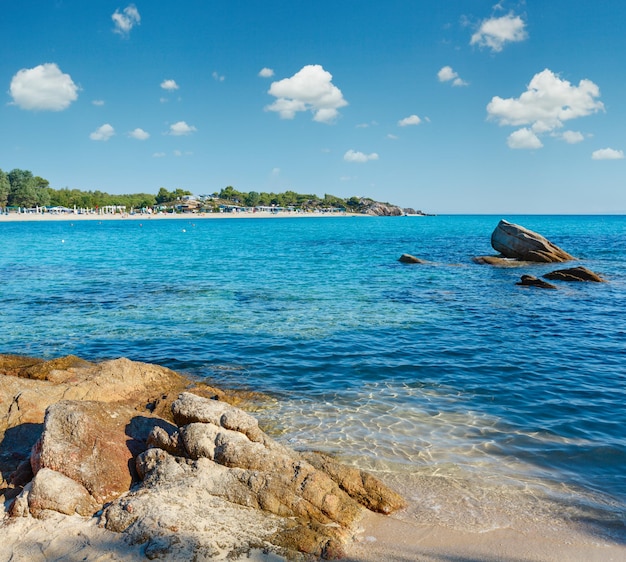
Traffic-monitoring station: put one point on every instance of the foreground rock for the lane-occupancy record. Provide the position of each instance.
(514, 241)
(94, 444)
(199, 481)
(575, 274)
(28, 386)
(218, 467)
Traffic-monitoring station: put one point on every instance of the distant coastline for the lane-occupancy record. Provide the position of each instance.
(31, 217)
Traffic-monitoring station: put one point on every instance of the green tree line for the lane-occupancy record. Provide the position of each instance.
(285, 199)
(20, 188)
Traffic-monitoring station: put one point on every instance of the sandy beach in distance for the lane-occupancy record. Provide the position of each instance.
(12, 217)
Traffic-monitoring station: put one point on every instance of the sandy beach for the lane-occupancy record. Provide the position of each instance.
(29, 217)
(381, 539)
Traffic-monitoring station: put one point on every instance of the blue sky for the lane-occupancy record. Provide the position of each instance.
(448, 107)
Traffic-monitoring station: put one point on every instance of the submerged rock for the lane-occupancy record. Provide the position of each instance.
(575, 274)
(514, 241)
(408, 258)
(531, 281)
(498, 261)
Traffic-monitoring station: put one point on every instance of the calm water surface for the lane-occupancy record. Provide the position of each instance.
(477, 397)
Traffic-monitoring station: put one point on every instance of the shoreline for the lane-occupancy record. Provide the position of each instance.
(44, 217)
(490, 528)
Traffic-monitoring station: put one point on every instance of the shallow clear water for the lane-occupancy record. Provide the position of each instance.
(445, 369)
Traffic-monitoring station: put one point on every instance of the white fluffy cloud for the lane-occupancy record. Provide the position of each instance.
(572, 137)
(546, 104)
(218, 77)
(354, 156)
(410, 120)
(524, 138)
(103, 133)
(446, 74)
(127, 19)
(495, 32)
(139, 134)
(310, 89)
(608, 154)
(181, 128)
(169, 85)
(266, 73)
(43, 88)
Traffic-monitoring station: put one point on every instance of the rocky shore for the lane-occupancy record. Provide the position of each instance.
(137, 456)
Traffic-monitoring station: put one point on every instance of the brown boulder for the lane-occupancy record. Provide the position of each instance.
(215, 479)
(38, 369)
(531, 281)
(88, 442)
(51, 490)
(514, 241)
(29, 385)
(358, 484)
(574, 274)
(408, 258)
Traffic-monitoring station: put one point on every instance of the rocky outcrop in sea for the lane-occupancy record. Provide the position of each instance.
(517, 242)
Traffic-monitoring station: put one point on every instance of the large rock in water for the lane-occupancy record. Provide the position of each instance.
(514, 241)
(575, 274)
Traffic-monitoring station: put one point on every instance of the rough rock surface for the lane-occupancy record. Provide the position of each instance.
(531, 281)
(408, 258)
(28, 386)
(211, 486)
(228, 463)
(51, 490)
(378, 209)
(575, 274)
(93, 443)
(514, 241)
(357, 483)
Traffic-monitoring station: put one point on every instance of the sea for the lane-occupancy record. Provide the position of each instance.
(487, 404)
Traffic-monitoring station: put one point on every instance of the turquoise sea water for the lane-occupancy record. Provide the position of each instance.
(477, 397)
